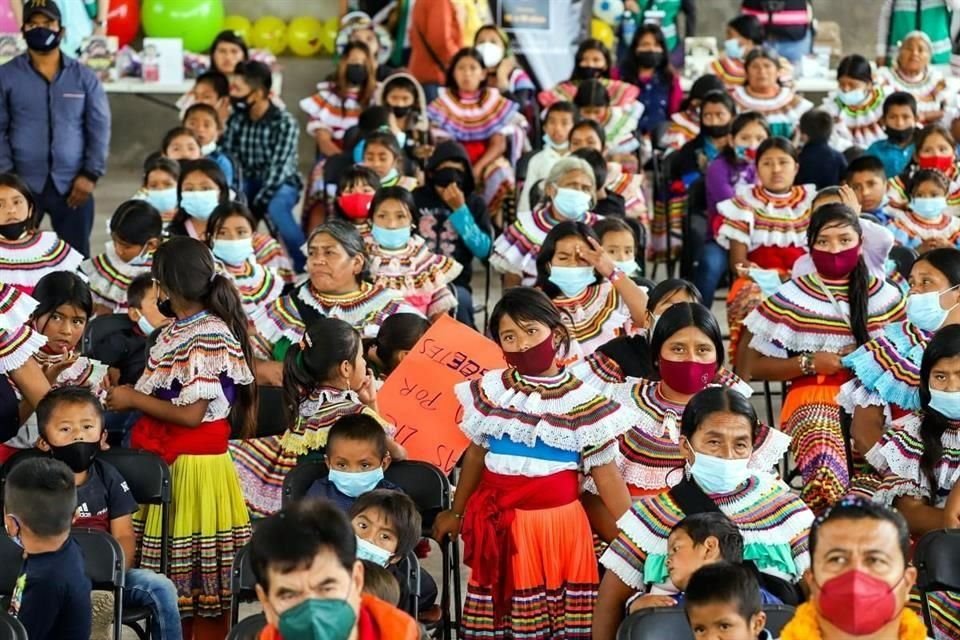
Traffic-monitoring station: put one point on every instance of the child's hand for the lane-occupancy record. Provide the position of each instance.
(649, 601)
(849, 197)
(121, 398)
(53, 371)
(368, 390)
(452, 196)
(597, 258)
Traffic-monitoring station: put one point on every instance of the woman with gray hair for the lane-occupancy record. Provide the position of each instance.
(912, 73)
(569, 193)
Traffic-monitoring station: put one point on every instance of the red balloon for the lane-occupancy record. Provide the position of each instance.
(123, 21)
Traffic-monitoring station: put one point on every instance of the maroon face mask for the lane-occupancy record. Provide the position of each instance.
(687, 377)
(835, 265)
(534, 360)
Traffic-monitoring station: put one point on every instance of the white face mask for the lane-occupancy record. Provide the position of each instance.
(207, 149)
(491, 52)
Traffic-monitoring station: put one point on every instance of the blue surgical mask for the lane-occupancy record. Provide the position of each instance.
(572, 204)
(233, 252)
(144, 325)
(947, 403)
(390, 238)
(318, 619)
(200, 204)
(572, 280)
(356, 484)
(549, 143)
(719, 475)
(767, 279)
(733, 48)
(924, 310)
(929, 207)
(853, 97)
(629, 267)
(373, 553)
(162, 199)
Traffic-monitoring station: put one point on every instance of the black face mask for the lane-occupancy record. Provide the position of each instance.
(901, 136)
(587, 73)
(42, 40)
(401, 112)
(77, 455)
(13, 230)
(649, 59)
(356, 74)
(715, 130)
(242, 103)
(447, 176)
(166, 308)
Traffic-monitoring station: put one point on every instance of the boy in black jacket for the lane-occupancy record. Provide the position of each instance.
(820, 163)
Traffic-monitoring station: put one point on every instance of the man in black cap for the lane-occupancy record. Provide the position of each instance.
(54, 125)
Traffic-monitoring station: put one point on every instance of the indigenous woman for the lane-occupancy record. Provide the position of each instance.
(912, 73)
(763, 92)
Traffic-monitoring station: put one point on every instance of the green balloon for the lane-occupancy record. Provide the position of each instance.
(196, 22)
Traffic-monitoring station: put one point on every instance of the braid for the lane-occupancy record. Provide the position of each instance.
(859, 294)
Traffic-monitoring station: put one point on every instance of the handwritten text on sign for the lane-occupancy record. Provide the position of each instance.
(418, 396)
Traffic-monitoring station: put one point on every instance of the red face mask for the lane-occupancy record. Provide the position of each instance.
(687, 377)
(355, 206)
(943, 164)
(835, 266)
(534, 360)
(857, 603)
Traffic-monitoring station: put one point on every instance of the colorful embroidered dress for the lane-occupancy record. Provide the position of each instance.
(910, 229)
(594, 317)
(526, 536)
(421, 276)
(800, 317)
(109, 277)
(930, 90)
(684, 126)
(899, 198)
(620, 127)
(628, 186)
(858, 125)
(258, 286)
(272, 255)
(782, 111)
(23, 262)
(18, 342)
(733, 74)
(622, 94)
(774, 523)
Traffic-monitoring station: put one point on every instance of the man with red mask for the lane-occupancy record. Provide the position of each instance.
(859, 577)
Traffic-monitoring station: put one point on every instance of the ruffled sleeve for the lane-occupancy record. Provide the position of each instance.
(736, 222)
(279, 320)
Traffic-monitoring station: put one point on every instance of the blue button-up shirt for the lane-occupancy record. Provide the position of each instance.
(894, 157)
(53, 129)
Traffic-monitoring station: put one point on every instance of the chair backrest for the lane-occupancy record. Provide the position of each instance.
(11, 563)
(242, 580)
(99, 328)
(425, 484)
(249, 628)
(11, 628)
(103, 558)
(671, 622)
(937, 558)
(299, 479)
(147, 475)
(12, 461)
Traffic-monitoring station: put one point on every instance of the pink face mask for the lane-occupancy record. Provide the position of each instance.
(687, 377)
(835, 265)
(534, 360)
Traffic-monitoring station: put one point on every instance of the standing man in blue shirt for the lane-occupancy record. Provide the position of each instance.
(54, 125)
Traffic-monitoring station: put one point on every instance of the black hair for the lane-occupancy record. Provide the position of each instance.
(403, 83)
(705, 84)
(208, 168)
(184, 267)
(256, 74)
(450, 81)
(918, 140)
(374, 118)
(399, 332)
(202, 107)
(291, 538)
(852, 508)
(836, 214)
(400, 511)
(217, 80)
(591, 124)
(561, 107)
(945, 344)
(603, 226)
(857, 67)
(385, 139)
(58, 288)
(225, 211)
(596, 161)
(592, 44)
(326, 343)
(156, 161)
(630, 69)
(526, 304)
(716, 400)
(701, 526)
(900, 99)
(817, 125)
(865, 164)
(347, 236)
(358, 173)
(718, 97)
(765, 52)
(670, 286)
(565, 229)
(69, 395)
(749, 27)
(779, 143)
(228, 37)
(739, 123)
(136, 222)
(380, 583)
(177, 132)
(13, 181)
(927, 175)
(724, 582)
(946, 260)
(42, 493)
(137, 289)
(358, 427)
(591, 93)
(683, 315)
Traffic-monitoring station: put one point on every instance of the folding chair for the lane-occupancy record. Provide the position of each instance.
(299, 479)
(148, 477)
(11, 564)
(671, 622)
(410, 569)
(242, 582)
(11, 628)
(937, 558)
(11, 462)
(103, 560)
(249, 628)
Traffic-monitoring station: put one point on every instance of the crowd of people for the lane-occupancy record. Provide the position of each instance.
(618, 462)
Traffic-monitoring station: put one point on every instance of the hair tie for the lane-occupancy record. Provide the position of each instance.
(305, 341)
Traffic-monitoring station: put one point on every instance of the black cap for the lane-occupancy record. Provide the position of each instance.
(48, 8)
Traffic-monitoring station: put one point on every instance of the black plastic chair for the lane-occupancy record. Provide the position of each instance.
(242, 582)
(103, 560)
(299, 479)
(937, 558)
(249, 628)
(11, 564)
(671, 622)
(11, 628)
(11, 462)
(271, 414)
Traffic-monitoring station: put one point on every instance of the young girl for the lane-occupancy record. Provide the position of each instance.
(618, 123)
(647, 64)
(160, 178)
(355, 192)
(800, 334)
(857, 105)
(201, 188)
(480, 119)
(588, 134)
(204, 121)
(599, 301)
(230, 237)
(592, 61)
(195, 385)
(934, 149)
(503, 72)
(733, 170)
(684, 125)
(533, 429)
(135, 230)
(181, 144)
(397, 336)
(402, 261)
(763, 92)
(382, 153)
(926, 223)
(765, 229)
(913, 74)
(403, 95)
(27, 253)
(619, 241)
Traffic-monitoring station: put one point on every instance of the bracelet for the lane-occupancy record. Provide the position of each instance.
(458, 516)
(616, 275)
(807, 366)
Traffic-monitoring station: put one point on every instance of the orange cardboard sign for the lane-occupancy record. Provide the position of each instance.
(418, 396)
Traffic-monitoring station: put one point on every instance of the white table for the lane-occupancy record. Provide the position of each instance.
(801, 85)
(138, 86)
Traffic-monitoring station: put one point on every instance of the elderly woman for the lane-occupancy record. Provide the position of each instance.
(570, 192)
(911, 72)
(763, 92)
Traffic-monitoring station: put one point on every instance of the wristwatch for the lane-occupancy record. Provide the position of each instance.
(807, 366)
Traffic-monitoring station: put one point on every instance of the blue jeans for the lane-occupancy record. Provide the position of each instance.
(793, 50)
(714, 261)
(279, 213)
(72, 225)
(146, 588)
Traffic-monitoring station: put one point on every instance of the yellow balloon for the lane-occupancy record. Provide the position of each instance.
(304, 36)
(602, 32)
(270, 33)
(240, 25)
(328, 35)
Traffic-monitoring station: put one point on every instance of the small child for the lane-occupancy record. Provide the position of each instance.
(356, 456)
(557, 124)
(397, 335)
(820, 163)
(868, 179)
(213, 88)
(355, 192)
(52, 594)
(71, 426)
(618, 239)
(382, 153)
(379, 583)
(205, 123)
(619, 124)
(180, 144)
(159, 188)
(927, 223)
(723, 600)
(900, 122)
